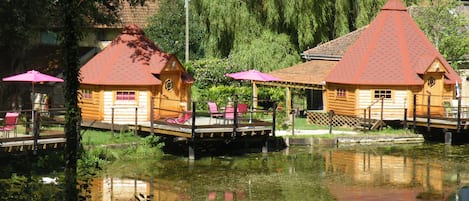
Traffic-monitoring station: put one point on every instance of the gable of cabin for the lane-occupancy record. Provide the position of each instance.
(173, 94)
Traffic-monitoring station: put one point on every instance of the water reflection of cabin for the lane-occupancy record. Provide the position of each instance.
(391, 173)
(121, 79)
(391, 58)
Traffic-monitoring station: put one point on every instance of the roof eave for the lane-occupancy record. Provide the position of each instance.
(321, 57)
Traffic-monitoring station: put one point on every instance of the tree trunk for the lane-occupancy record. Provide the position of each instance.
(70, 38)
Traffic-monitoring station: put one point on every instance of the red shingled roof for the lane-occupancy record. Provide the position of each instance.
(310, 72)
(131, 59)
(138, 14)
(391, 51)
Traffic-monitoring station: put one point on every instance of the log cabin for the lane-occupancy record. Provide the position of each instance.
(121, 81)
(392, 59)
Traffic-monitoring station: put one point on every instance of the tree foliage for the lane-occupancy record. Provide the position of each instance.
(259, 34)
(447, 28)
(265, 53)
(74, 14)
(167, 29)
(211, 71)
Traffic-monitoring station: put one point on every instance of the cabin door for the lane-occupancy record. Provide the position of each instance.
(434, 86)
(170, 104)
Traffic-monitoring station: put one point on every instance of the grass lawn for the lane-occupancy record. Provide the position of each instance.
(96, 137)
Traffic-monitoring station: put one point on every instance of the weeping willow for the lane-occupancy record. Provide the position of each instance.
(253, 31)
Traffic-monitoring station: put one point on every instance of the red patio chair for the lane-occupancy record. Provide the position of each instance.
(242, 109)
(229, 114)
(182, 119)
(11, 119)
(213, 110)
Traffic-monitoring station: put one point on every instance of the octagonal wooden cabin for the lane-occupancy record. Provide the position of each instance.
(394, 60)
(120, 82)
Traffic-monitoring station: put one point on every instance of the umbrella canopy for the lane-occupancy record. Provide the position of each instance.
(252, 75)
(32, 76)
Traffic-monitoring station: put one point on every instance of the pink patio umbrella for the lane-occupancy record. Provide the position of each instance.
(252, 75)
(33, 77)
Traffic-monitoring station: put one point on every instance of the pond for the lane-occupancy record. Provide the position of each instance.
(404, 172)
(398, 172)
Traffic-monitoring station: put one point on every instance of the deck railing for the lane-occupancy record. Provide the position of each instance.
(200, 116)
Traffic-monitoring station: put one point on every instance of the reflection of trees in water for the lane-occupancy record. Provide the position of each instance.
(21, 176)
(251, 177)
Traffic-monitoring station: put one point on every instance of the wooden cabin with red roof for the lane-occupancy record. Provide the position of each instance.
(127, 75)
(392, 59)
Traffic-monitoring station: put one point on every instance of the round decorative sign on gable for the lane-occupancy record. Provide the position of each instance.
(431, 81)
(168, 84)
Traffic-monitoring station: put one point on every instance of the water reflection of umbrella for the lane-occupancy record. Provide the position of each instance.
(33, 77)
(252, 75)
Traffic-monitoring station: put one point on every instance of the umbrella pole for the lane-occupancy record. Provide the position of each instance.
(32, 108)
(252, 102)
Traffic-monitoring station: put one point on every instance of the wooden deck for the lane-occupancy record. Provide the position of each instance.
(444, 123)
(27, 143)
(206, 131)
(199, 130)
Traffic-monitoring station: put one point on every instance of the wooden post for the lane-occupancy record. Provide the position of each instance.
(136, 121)
(152, 115)
(382, 113)
(369, 118)
(405, 119)
(292, 116)
(428, 113)
(235, 116)
(459, 115)
(265, 147)
(288, 101)
(448, 138)
(254, 97)
(112, 122)
(35, 131)
(192, 141)
(414, 113)
(364, 119)
(274, 113)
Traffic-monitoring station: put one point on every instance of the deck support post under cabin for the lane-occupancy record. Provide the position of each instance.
(192, 140)
(265, 148)
(459, 115)
(448, 138)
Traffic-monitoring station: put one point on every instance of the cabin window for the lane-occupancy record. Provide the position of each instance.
(125, 95)
(86, 94)
(431, 82)
(168, 84)
(386, 93)
(341, 93)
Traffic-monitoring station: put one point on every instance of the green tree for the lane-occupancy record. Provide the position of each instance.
(74, 14)
(21, 20)
(446, 26)
(167, 29)
(265, 53)
(70, 37)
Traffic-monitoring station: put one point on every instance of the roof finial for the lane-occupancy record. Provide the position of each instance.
(394, 5)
